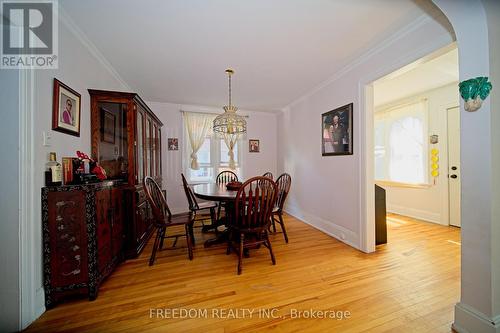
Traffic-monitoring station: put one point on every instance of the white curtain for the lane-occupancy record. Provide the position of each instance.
(198, 126)
(230, 140)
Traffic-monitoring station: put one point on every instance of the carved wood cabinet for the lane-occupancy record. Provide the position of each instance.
(82, 237)
(126, 141)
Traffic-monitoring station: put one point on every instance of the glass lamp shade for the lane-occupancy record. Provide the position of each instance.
(229, 122)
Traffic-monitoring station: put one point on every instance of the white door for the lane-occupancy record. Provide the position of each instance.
(454, 165)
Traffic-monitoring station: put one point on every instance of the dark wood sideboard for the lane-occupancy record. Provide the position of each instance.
(89, 229)
(82, 237)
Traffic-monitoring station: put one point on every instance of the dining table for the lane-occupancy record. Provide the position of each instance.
(220, 194)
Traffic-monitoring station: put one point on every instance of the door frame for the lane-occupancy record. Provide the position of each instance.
(366, 144)
(445, 198)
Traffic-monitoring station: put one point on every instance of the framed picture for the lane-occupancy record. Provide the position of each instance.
(173, 144)
(66, 105)
(253, 146)
(108, 123)
(336, 131)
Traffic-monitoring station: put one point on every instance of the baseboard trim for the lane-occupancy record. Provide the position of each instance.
(415, 213)
(328, 227)
(468, 320)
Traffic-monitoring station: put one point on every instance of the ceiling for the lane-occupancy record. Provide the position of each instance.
(177, 50)
(433, 71)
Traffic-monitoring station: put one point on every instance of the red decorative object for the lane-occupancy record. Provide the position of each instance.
(99, 172)
(233, 186)
(95, 168)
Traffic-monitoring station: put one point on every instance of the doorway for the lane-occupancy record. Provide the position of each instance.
(416, 139)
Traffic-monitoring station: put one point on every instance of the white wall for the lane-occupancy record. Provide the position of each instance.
(427, 203)
(9, 202)
(80, 69)
(492, 9)
(260, 126)
(327, 190)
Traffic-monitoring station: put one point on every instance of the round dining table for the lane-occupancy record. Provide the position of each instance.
(214, 192)
(218, 193)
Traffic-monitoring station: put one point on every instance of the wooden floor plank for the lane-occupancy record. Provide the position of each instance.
(408, 285)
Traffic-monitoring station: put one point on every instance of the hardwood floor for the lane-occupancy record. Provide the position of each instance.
(409, 285)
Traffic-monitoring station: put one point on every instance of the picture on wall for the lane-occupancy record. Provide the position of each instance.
(66, 105)
(336, 131)
(108, 122)
(253, 146)
(173, 143)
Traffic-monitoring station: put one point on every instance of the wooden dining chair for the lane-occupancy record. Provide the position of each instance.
(283, 182)
(224, 177)
(199, 208)
(268, 175)
(253, 205)
(163, 219)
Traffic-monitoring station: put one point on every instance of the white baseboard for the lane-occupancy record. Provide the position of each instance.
(468, 320)
(328, 227)
(415, 213)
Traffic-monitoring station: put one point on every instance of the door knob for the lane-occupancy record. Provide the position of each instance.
(453, 168)
(454, 176)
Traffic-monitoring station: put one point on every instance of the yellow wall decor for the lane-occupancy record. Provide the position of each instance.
(435, 164)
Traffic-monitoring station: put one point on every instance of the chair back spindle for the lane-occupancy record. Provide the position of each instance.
(193, 203)
(254, 204)
(283, 183)
(158, 203)
(268, 175)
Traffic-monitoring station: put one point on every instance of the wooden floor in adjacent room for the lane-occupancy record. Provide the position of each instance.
(409, 285)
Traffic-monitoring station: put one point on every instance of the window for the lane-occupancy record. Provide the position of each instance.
(205, 172)
(212, 158)
(400, 144)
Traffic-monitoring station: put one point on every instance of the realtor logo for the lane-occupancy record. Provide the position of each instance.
(29, 34)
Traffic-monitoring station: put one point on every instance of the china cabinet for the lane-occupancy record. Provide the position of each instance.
(126, 141)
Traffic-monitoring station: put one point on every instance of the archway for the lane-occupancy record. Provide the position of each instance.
(476, 26)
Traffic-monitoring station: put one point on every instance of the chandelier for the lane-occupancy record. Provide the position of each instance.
(229, 122)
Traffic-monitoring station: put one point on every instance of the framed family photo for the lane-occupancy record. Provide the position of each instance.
(336, 131)
(173, 143)
(253, 146)
(66, 104)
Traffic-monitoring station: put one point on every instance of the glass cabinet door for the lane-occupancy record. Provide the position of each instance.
(159, 152)
(140, 147)
(147, 147)
(154, 151)
(113, 139)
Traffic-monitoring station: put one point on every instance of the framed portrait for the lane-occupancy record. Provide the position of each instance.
(253, 146)
(66, 106)
(336, 131)
(108, 126)
(173, 143)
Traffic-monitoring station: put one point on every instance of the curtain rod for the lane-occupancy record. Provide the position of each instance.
(209, 113)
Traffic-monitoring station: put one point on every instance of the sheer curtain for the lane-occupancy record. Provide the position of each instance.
(230, 141)
(401, 149)
(198, 126)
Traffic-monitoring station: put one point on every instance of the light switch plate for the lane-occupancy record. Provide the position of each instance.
(47, 139)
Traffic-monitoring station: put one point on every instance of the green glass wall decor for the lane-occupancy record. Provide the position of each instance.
(474, 92)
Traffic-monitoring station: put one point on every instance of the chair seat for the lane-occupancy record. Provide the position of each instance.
(276, 210)
(179, 219)
(207, 205)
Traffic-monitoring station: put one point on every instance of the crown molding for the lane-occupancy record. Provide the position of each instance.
(66, 19)
(414, 25)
